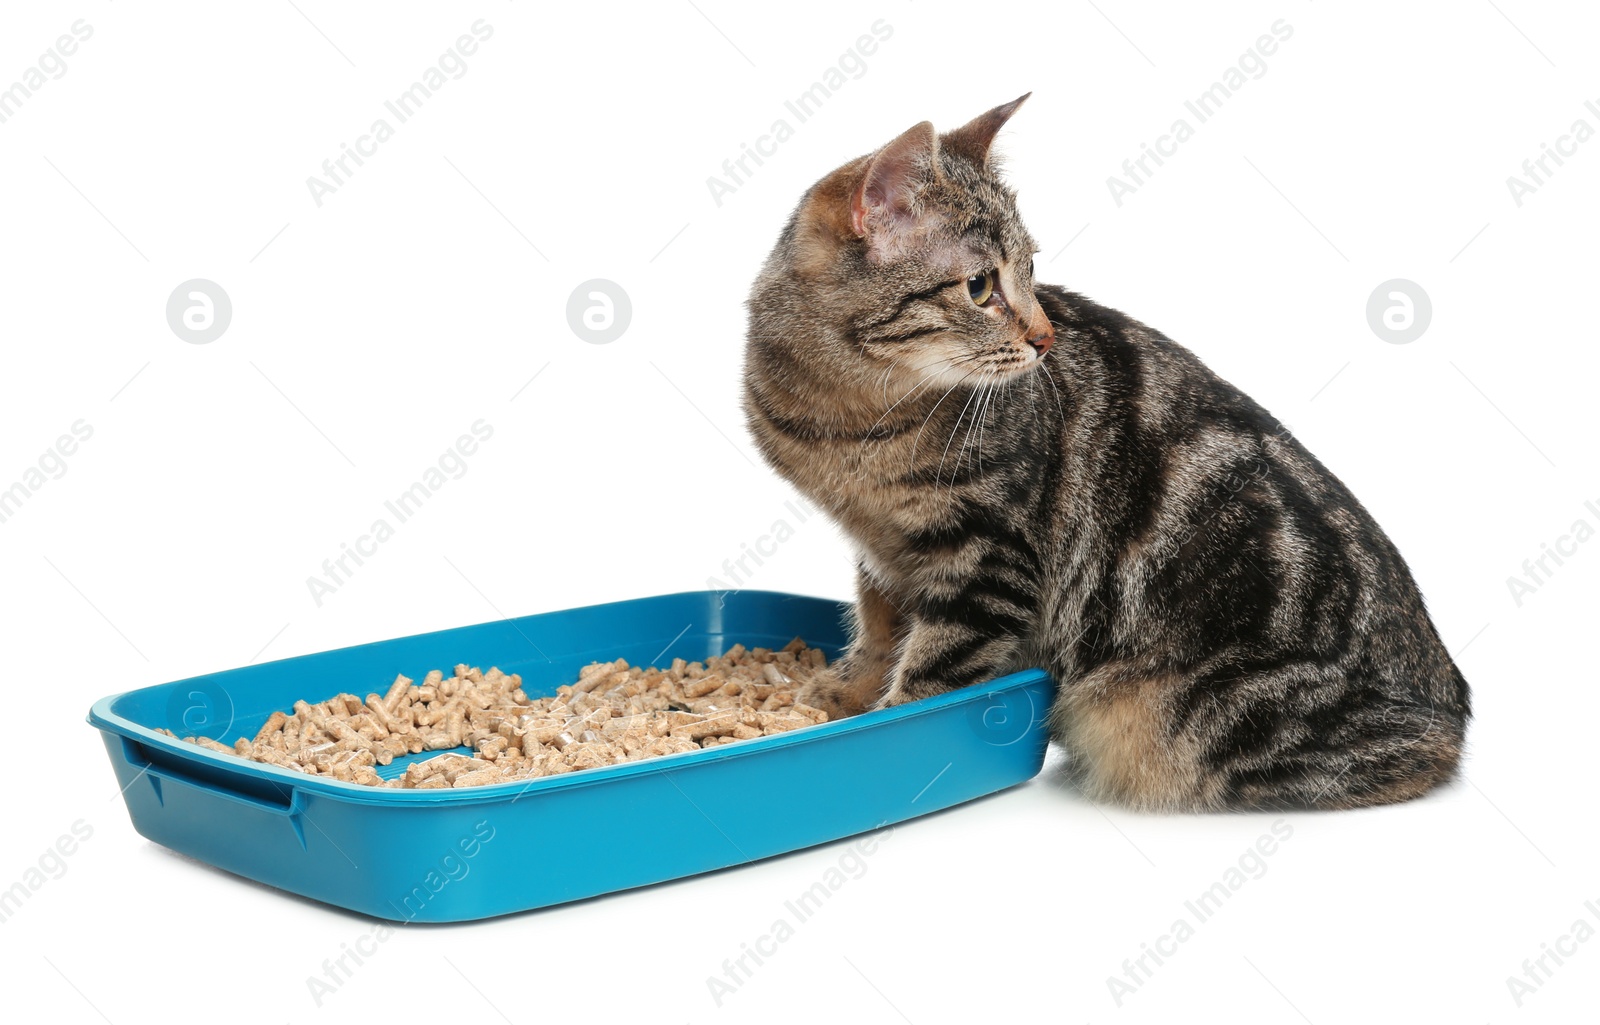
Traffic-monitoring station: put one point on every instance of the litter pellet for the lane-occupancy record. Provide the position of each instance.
(612, 713)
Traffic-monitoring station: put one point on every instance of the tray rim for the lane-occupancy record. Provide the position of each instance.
(110, 723)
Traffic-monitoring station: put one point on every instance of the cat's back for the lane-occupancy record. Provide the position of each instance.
(1233, 529)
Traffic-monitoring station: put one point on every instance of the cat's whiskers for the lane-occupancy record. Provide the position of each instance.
(929, 381)
(1052, 380)
(976, 425)
(884, 387)
(1035, 401)
(998, 399)
(976, 400)
(912, 459)
(916, 388)
(977, 393)
(995, 388)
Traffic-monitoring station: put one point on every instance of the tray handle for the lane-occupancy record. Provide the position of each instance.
(264, 795)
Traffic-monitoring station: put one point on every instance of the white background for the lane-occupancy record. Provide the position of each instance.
(425, 293)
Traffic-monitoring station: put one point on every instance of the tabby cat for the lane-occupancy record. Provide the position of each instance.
(1032, 479)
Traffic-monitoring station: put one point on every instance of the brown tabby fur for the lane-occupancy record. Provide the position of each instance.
(1040, 480)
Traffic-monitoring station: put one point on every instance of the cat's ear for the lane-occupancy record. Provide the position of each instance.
(886, 209)
(973, 139)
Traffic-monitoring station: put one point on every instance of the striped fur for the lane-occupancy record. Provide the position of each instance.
(1045, 481)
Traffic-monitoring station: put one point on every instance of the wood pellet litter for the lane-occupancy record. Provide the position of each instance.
(613, 713)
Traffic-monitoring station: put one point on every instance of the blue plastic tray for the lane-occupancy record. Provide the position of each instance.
(456, 855)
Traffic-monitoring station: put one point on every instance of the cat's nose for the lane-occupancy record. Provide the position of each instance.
(1041, 333)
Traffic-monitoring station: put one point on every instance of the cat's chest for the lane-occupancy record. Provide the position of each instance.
(867, 485)
(917, 527)
(881, 503)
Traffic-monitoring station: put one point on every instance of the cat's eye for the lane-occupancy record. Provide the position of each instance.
(981, 286)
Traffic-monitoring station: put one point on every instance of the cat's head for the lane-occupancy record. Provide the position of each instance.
(919, 261)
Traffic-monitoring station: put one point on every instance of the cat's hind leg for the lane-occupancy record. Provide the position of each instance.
(1371, 748)
(1319, 740)
(1120, 733)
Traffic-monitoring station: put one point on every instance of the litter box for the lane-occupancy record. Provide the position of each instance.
(456, 855)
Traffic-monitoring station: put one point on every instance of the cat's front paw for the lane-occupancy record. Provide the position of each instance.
(890, 698)
(838, 697)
